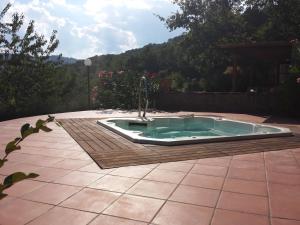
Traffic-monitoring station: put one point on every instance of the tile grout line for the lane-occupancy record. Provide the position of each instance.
(221, 190)
(167, 199)
(268, 190)
(121, 194)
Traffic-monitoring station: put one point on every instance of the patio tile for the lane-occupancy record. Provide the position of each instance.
(71, 164)
(281, 168)
(218, 171)
(277, 221)
(50, 174)
(243, 203)
(226, 217)
(78, 178)
(173, 213)
(253, 165)
(283, 178)
(165, 176)
(191, 161)
(19, 212)
(221, 161)
(93, 168)
(135, 207)
(245, 187)
(131, 171)
(152, 189)
(196, 195)
(91, 200)
(114, 183)
(203, 181)
(63, 216)
(257, 157)
(247, 174)
(285, 201)
(110, 220)
(21, 188)
(11, 167)
(176, 166)
(51, 193)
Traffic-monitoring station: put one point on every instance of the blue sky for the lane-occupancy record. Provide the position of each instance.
(94, 27)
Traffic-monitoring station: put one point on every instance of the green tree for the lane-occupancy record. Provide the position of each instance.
(26, 74)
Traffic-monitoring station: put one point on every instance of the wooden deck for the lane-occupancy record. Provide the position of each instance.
(110, 150)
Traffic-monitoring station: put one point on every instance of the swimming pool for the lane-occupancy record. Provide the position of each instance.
(188, 130)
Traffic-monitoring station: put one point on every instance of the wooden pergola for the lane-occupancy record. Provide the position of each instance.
(276, 53)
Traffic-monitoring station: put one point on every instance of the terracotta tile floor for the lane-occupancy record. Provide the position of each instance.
(259, 188)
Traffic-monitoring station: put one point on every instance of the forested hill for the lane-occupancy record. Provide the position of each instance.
(167, 56)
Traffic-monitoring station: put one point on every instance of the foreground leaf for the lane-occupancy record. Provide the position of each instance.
(45, 128)
(2, 161)
(39, 123)
(17, 177)
(11, 146)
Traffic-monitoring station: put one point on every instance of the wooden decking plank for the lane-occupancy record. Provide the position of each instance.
(109, 150)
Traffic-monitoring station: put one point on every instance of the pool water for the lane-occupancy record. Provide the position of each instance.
(172, 130)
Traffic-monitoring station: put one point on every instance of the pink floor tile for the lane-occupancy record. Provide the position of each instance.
(19, 212)
(196, 195)
(173, 213)
(165, 176)
(71, 164)
(257, 157)
(243, 203)
(110, 220)
(79, 178)
(281, 168)
(21, 188)
(218, 171)
(247, 174)
(50, 174)
(176, 166)
(203, 181)
(63, 216)
(51, 193)
(93, 168)
(226, 217)
(245, 186)
(243, 164)
(285, 201)
(221, 161)
(114, 183)
(153, 189)
(283, 178)
(277, 221)
(135, 207)
(91, 200)
(131, 171)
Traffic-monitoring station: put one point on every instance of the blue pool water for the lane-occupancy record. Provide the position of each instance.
(188, 130)
(162, 128)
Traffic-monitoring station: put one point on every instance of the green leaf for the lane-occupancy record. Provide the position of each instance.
(27, 130)
(17, 177)
(2, 195)
(50, 118)
(45, 128)
(11, 146)
(39, 123)
(2, 161)
(24, 128)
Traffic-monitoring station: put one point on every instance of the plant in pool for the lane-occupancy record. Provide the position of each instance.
(26, 130)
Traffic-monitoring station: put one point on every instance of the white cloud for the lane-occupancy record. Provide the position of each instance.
(96, 26)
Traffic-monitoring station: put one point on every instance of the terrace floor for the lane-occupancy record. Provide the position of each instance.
(250, 189)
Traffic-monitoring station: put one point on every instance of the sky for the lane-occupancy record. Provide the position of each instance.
(95, 27)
